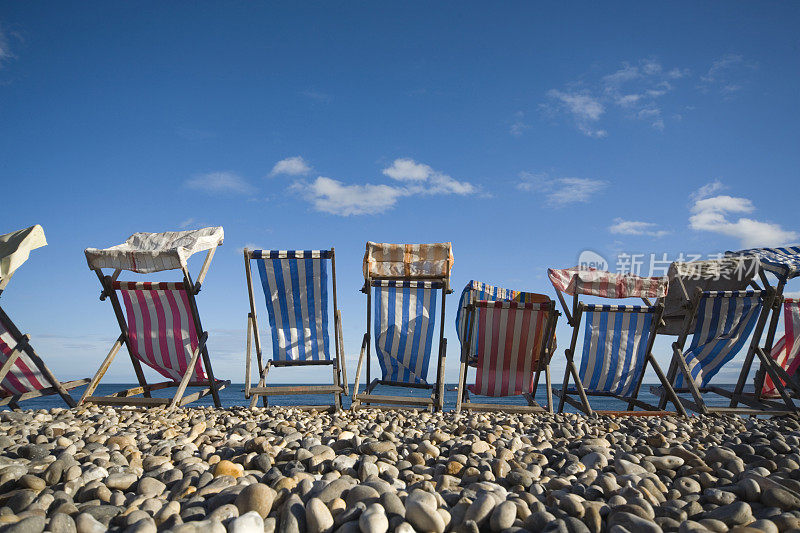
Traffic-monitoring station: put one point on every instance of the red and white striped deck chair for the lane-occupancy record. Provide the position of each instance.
(23, 374)
(618, 339)
(159, 321)
(512, 351)
(786, 351)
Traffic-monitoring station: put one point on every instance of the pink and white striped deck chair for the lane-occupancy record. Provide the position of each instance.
(159, 321)
(23, 374)
(511, 346)
(786, 351)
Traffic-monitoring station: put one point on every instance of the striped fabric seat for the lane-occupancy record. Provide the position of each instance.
(615, 344)
(24, 375)
(474, 291)
(786, 350)
(509, 346)
(161, 328)
(784, 262)
(295, 284)
(405, 313)
(408, 260)
(725, 320)
(606, 284)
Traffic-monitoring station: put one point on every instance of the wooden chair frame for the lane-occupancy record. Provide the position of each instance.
(23, 346)
(755, 404)
(543, 365)
(130, 397)
(565, 395)
(793, 382)
(337, 363)
(367, 399)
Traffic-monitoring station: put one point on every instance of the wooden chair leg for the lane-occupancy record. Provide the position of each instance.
(364, 343)
(440, 378)
(102, 370)
(189, 372)
(687, 377)
(669, 391)
(462, 378)
(337, 396)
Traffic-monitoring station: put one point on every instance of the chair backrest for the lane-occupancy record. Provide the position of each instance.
(724, 321)
(685, 278)
(295, 284)
(405, 313)
(615, 345)
(474, 291)
(161, 326)
(408, 261)
(786, 350)
(509, 346)
(24, 376)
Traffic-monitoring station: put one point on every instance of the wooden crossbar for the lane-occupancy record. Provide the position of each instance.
(299, 389)
(374, 398)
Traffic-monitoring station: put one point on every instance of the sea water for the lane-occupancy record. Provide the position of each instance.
(233, 395)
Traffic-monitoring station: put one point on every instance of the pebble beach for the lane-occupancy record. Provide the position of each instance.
(290, 471)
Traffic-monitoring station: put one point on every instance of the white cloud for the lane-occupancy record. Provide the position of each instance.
(334, 197)
(425, 180)
(249, 246)
(711, 213)
(584, 108)
(519, 126)
(219, 182)
(405, 169)
(337, 198)
(633, 89)
(560, 192)
(707, 190)
(5, 47)
(292, 166)
(635, 227)
(728, 75)
(186, 223)
(317, 96)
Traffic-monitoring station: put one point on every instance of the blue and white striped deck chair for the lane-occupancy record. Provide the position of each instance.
(295, 284)
(615, 345)
(405, 313)
(617, 341)
(404, 280)
(723, 323)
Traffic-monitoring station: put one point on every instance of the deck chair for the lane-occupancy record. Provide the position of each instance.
(618, 339)
(404, 281)
(295, 284)
(475, 291)
(23, 374)
(159, 321)
(512, 342)
(723, 322)
(786, 352)
(784, 265)
(720, 315)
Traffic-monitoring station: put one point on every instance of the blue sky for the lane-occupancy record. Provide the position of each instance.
(523, 132)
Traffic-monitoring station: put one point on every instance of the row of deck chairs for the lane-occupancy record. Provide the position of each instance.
(507, 337)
